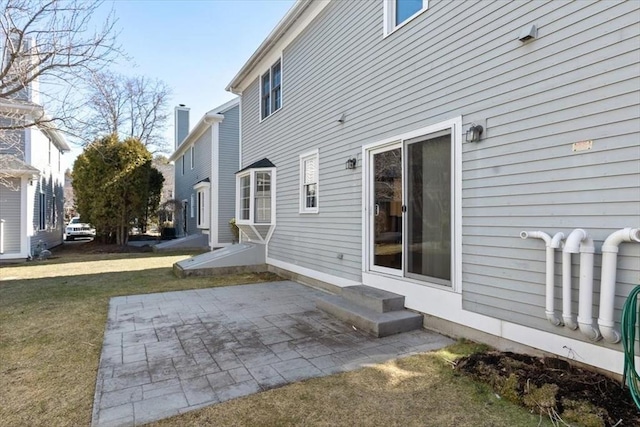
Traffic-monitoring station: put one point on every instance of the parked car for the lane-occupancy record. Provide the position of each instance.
(77, 228)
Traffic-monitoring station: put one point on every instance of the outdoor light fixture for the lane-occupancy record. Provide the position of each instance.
(474, 132)
(351, 163)
(342, 118)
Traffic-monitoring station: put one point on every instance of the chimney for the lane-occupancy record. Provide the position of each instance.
(181, 124)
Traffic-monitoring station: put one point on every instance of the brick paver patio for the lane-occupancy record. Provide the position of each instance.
(168, 353)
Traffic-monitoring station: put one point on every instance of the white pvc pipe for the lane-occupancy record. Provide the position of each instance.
(571, 246)
(608, 280)
(1, 236)
(586, 322)
(550, 244)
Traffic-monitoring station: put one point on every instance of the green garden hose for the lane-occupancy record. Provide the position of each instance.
(629, 324)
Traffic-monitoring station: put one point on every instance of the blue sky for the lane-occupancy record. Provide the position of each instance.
(196, 47)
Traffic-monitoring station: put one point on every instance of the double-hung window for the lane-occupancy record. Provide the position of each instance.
(202, 203)
(309, 182)
(271, 90)
(262, 197)
(399, 12)
(193, 157)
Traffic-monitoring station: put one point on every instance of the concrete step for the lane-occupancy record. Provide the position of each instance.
(372, 322)
(375, 299)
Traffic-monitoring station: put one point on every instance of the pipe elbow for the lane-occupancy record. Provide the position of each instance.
(553, 319)
(572, 243)
(536, 235)
(589, 330)
(570, 322)
(614, 240)
(609, 332)
(556, 240)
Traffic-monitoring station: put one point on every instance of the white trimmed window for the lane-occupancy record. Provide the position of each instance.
(399, 12)
(202, 204)
(193, 157)
(193, 205)
(271, 90)
(255, 201)
(183, 164)
(309, 182)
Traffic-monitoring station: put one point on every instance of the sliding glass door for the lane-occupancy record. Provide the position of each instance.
(410, 205)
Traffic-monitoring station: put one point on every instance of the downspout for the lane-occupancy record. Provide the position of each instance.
(551, 245)
(586, 322)
(571, 246)
(608, 280)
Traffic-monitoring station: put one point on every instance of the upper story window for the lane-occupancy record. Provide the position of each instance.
(183, 164)
(193, 157)
(309, 182)
(398, 12)
(271, 90)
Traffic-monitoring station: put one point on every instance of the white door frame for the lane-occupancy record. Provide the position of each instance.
(455, 124)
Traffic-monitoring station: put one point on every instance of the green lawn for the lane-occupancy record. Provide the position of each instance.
(52, 319)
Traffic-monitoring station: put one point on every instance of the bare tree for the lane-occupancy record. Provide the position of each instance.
(130, 107)
(47, 48)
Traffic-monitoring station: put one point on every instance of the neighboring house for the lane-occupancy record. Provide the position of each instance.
(205, 160)
(31, 184)
(363, 160)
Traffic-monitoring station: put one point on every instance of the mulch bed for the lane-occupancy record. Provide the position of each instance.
(554, 388)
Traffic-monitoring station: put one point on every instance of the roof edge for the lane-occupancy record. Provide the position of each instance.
(272, 39)
(203, 124)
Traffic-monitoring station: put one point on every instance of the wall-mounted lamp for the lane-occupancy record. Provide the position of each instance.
(351, 163)
(529, 32)
(342, 118)
(474, 132)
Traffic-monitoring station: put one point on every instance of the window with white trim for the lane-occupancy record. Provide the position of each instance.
(193, 157)
(202, 204)
(183, 164)
(193, 205)
(399, 12)
(263, 198)
(309, 182)
(245, 198)
(271, 90)
(255, 201)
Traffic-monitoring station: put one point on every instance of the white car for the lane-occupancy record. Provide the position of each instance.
(77, 228)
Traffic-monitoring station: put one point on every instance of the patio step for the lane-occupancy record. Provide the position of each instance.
(367, 315)
(375, 299)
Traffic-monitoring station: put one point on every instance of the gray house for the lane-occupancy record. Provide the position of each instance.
(205, 160)
(457, 153)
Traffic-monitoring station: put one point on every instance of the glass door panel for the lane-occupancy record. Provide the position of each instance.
(386, 223)
(429, 208)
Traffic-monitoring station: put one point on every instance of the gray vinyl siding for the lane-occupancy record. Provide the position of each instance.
(184, 183)
(579, 80)
(10, 197)
(182, 125)
(229, 136)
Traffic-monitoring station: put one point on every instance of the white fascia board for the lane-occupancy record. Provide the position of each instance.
(226, 106)
(291, 26)
(203, 124)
